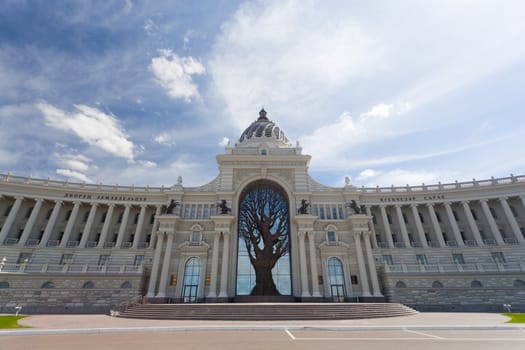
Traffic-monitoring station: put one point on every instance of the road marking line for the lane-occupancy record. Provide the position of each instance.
(290, 334)
(423, 334)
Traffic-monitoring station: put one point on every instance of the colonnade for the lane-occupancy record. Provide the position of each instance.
(441, 237)
(72, 221)
(365, 262)
(164, 247)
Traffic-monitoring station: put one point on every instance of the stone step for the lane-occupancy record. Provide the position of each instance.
(267, 311)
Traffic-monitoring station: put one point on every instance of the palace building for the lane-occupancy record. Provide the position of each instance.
(73, 247)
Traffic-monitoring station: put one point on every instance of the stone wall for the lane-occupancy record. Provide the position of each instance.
(66, 293)
(465, 292)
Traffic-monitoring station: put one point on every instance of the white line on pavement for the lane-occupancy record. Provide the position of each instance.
(424, 334)
(290, 334)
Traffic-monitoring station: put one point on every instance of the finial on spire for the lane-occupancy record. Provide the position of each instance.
(262, 114)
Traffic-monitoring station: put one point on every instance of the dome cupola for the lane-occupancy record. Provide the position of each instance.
(263, 130)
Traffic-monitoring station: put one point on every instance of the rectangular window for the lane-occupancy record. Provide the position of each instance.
(421, 259)
(334, 213)
(328, 213)
(66, 259)
(206, 212)
(387, 259)
(103, 260)
(458, 258)
(321, 213)
(498, 257)
(330, 236)
(353, 279)
(23, 258)
(139, 259)
(341, 212)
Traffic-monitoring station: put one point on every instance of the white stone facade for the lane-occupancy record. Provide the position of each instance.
(447, 246)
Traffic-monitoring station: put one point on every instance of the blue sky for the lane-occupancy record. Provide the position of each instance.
(140, 92)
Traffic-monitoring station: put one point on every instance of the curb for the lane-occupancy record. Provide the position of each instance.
(251, 328)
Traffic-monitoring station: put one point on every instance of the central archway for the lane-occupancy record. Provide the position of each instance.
(263, 254)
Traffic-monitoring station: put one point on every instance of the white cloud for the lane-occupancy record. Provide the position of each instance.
(74, 174)
(174, 74)
(164, 139)
(147, 164)
(92, 126)
(76, 162)
(224, 142)
(289, 55)
(400, 177)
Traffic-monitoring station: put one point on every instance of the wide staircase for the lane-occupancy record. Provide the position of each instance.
(266, 311)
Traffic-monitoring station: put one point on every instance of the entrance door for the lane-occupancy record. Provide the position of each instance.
(189, 294)
(336, 279)
(190, 288)
(338, 292)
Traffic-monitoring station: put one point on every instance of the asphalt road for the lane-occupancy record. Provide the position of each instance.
(276, 339)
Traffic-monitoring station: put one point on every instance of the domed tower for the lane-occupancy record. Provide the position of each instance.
(263, 132)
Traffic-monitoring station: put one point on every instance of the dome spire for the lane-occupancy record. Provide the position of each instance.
(262, 115)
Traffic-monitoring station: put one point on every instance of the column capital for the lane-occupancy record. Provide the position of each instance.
(160, 234)
(38, 200)
(19, 198)
(128, 205)
(357, 235)
(413, 205)
(397, 205)
(143, 206)
(465, 202)
(430, 205)
(382, 206)
(483, 200)
(95, 204)
(366, 233)
(57, 201)
(503, 199)
(310, 233)
(301, 234)
(111, 205)
(447, 203)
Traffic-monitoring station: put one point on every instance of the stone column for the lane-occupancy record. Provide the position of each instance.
(313, 265)
(10, 219)
(105, 227)
(165, 266)
(123, 224)
(493, 226)
(372, 266)
(361, 265)
(512, 220)
(372, 228)
(155, 268)
(223, 293)
(87, 227)
(472, 223)
(403, 226)
(30, 222)
(419, 227)
(302, 263)
(50, 224)
(435, 225)
(386, 225)
(154, 226)
(453, 224)
(212, 293)
(70, 224)
(140, 223)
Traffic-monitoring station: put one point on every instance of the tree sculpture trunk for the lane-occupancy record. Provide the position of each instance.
(264, 226)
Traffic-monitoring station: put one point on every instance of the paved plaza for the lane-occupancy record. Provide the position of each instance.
(425, 330)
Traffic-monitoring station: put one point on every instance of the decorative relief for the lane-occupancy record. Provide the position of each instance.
(239, 175)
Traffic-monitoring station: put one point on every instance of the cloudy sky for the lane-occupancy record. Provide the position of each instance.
(140, 92)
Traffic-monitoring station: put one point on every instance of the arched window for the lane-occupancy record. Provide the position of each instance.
(4, 284)
(331, 234)
(336, 278)
(192, 272)
(48, 285)
(437, 284)
(401, 284)
(476, 284)
(519, 284)
(125, 285)
(196, 234)
(88, 285)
